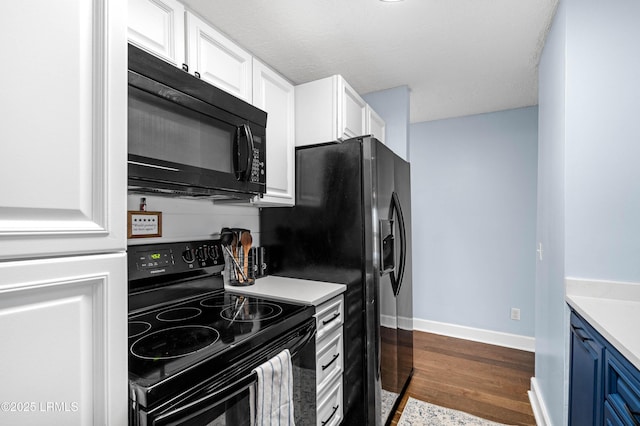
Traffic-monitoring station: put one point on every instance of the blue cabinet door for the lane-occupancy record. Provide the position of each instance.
(610, 416)
(622, 387)
(586, 375)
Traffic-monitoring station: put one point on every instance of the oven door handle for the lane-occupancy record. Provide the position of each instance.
(191, 410)
(310, 334)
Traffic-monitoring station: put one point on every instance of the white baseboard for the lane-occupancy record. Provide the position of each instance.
(514, 341)
(537, 405)
(388, 321)
(403, 323)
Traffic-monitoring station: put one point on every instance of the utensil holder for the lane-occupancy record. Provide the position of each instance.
(233, 273)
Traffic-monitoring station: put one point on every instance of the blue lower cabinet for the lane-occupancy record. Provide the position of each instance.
(604, 387)
(610, 416)
(622, 388)
(586, 375)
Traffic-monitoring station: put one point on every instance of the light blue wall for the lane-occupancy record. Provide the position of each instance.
(474, 218)
(551, 325)
(603, 140)
(393, 106)
(589, 101)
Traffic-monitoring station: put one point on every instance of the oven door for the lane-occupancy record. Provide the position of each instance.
(227, 401)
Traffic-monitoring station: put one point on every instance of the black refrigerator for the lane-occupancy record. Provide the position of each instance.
(352, 225)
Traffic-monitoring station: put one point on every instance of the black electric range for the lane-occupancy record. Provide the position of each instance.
(186, 332)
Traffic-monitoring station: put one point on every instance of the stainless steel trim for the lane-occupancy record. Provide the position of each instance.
(373, 381)
(171, 169)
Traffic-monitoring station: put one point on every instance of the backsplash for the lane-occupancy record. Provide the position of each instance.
(185, 219)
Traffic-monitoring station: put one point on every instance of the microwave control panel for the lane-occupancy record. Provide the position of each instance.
(257, 167)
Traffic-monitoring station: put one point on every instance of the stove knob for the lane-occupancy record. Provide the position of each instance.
(213, 253)
(201, 253)
(187, 256)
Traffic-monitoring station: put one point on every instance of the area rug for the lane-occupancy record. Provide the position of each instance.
(419, 413)
(388, 399)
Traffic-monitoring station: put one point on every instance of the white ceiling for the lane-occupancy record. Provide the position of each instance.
(458, 57)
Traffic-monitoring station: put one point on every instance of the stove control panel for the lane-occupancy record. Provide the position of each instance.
(173, 258)
(203, 254)
(155, 259)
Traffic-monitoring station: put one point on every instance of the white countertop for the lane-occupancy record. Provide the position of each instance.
(613, 309)
(291, 290)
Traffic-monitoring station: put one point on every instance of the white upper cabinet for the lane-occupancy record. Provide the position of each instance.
(275, 95)
(375, 124)
(158, 27)
(352, 117)
(64, 128)
(330, 109)
(217, 59)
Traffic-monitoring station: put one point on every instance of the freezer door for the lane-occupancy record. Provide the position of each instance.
(392, 280)
(386, 283)
(404, 293)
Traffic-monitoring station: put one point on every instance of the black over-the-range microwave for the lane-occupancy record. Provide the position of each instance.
(188, 138)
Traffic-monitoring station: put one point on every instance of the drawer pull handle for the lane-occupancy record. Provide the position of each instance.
(333, 413)
(633, 414)
(335, 357)
(325, 322)
(580, 334)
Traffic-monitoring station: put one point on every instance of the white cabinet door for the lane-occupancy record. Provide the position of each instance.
(158, 27)
(64, 352)
(353, 117)
(63, 150)
(275, 95)
(375, 125)
(327, 110)
(317, 111)
(217, 59)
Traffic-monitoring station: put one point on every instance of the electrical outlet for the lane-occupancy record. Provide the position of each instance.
(515, 314)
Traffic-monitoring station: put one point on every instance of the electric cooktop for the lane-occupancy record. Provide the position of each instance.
(168, 339)
(184, 327)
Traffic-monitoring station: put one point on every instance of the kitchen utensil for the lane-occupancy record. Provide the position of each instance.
(238, 309)
(235, 262)
(234, 249)
(227, 239)
(226, 236)
(245, 240)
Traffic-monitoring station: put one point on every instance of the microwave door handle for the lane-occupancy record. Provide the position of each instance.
(243, 131)
(250, 149)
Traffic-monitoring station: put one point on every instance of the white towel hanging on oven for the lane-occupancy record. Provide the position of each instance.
(273, 395)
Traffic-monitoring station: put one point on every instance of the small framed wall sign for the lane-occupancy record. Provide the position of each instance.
(142, 224)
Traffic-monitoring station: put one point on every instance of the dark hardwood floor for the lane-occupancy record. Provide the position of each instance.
(484, 380)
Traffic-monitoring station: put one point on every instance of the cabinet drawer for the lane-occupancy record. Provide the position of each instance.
(329, 316)
(622, 388)
(329, 359)
(610, 416)
(330, 405)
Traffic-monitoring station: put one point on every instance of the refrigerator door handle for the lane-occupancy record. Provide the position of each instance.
(396, 282)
